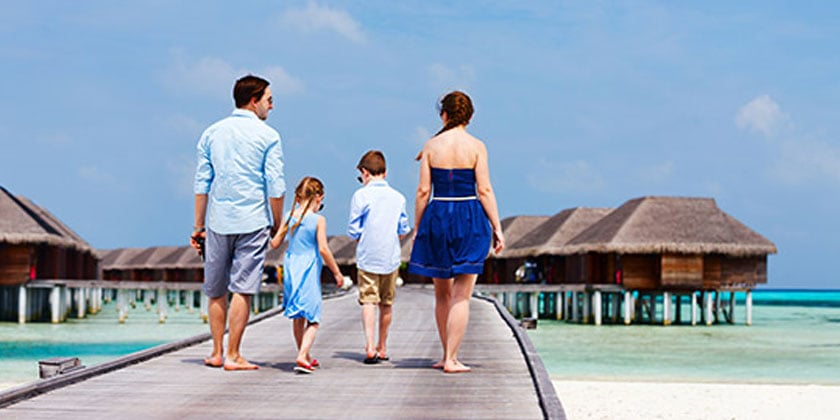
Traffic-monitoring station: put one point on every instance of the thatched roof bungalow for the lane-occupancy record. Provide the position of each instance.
(34, 244)
(669, 243)
(500, 268)
(542, 243)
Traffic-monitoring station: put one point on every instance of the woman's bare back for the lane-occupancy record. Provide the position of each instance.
(454, 149)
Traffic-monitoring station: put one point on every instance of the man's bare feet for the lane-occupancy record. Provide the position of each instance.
(438, 365)
(239, 363)
(213, 361)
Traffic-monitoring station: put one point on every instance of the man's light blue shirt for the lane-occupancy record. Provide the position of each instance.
(377, 218)
(240, 165)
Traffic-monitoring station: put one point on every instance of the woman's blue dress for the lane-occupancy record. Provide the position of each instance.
(454, 235)
(302, 272)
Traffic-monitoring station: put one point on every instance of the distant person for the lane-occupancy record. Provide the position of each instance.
(378, 221)
(239, 190)
(305, 256)
(455, 227)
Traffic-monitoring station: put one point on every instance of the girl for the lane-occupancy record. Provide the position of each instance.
(302, 265)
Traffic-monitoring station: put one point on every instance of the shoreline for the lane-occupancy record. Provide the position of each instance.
(608, 399)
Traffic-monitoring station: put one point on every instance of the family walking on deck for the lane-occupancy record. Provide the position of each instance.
(239, 199)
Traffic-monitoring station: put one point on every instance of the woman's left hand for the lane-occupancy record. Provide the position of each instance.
(498, 241)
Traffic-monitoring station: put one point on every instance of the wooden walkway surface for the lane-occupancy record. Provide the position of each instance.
(508, 379)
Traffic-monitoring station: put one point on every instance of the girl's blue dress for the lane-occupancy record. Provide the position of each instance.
(454, 235)
(302, 272)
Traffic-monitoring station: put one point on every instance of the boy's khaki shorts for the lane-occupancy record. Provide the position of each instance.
(377, 288)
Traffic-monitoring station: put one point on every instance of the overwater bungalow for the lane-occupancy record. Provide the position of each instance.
(666, 248)
(501, 268)
(34, 244)
(542, 244)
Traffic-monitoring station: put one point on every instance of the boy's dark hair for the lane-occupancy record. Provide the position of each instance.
(373, 161)
(248, 87)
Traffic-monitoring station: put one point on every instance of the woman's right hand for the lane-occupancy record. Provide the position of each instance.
(339, 279)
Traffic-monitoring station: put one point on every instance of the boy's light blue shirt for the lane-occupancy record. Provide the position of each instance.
(240, 165)
(377, 219)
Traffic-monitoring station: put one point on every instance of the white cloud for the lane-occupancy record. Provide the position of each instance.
(315, 18)
(215, 77)
(761, 115)
(657, 173)
(99, 178)
(553, 177)
(181, 170)
(448, 77)
(808, 162)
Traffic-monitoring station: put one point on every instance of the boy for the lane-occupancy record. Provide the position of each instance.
(377, 222)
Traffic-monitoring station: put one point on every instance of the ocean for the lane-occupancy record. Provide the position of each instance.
(794, 339)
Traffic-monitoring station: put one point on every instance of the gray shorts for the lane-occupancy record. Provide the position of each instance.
(234, 262)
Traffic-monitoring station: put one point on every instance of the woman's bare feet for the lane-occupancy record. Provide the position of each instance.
(455, 367)
(438, 365)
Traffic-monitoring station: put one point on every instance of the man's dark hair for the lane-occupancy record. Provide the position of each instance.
(373, 161)
(248, 87)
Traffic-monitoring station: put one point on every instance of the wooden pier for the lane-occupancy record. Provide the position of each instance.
(508, 379)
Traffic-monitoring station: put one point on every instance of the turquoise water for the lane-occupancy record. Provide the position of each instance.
(795, 338)
(95, 339)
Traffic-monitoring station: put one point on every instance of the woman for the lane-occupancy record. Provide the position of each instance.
(454, 228)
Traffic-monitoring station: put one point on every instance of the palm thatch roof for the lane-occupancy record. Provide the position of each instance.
(685, 225)
(152, 258)
(344, 249)
(549, 237)
(515, 228)
(24, 222)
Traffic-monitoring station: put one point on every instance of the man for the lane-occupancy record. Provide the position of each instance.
(377, 222)
(239, 190)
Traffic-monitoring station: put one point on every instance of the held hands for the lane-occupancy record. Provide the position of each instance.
(498, 241)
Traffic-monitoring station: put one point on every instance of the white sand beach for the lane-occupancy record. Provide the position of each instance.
(657, 400)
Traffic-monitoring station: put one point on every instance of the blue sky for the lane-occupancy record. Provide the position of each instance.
(580, 103)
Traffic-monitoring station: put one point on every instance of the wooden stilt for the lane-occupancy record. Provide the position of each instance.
(748, 304)
(587, 307)
(717, 306)
(678, 308)
(122, 306)
(616, 307)
(23, 305)
(575, 312)
(731, 318)
(81, 303)
(161, 305)
(203, 307)
(707, 307)
(666, 308)
(628, 306)
(596, 306)
(55, 304)
(534, 304)
(560, 302)
(693, 308)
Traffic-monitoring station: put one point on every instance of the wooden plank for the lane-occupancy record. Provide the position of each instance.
(177, 385)
(639, 271)
(679, 270)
